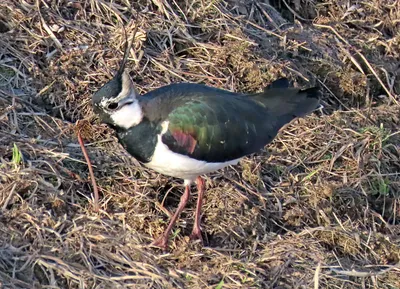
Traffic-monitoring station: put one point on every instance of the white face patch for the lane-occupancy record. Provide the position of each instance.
(128, 93)
(127, 116)
(128, 113)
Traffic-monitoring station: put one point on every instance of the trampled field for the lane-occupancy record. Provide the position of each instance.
(318, 208)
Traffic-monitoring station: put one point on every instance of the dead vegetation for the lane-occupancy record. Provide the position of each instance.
(319, 208)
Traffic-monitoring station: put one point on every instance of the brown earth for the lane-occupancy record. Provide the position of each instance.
(319, 208)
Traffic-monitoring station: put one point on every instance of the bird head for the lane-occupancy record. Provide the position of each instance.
(116, 101)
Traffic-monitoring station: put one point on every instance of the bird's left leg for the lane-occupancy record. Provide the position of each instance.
(196, 232)
(162, 241)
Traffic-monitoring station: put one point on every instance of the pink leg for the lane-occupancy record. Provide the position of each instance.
(196, 233)
(162, 241)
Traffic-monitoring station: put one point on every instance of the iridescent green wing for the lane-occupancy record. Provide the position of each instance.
(218, 129)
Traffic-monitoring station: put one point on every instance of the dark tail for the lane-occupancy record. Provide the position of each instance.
(287, 103)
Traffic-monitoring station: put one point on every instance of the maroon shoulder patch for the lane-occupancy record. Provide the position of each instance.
(185, 141)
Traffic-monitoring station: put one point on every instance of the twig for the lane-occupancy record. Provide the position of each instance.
(294, 12)
(378, 78)
(364, 274)
(316, 276)
(391, 96)
(48, 30)
(264, 29)
(89, 164)
(11, 193)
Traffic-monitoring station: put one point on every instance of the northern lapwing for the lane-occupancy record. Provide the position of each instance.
(186, 130)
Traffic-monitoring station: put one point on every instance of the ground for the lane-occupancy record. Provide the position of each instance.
(318, 208)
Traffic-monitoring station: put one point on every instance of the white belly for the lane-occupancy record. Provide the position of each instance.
(175, 165)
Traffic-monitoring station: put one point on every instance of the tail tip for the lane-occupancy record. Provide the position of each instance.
(313, 92)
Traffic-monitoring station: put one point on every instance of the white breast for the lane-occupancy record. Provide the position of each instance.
(176, 165)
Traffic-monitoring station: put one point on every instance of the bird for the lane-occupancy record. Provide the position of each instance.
(187, 130)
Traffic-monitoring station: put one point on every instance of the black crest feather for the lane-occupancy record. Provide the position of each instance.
(128, 46)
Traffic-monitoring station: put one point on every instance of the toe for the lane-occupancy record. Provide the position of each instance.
(161, 242)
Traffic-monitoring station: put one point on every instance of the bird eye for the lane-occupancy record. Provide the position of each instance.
(112, 106)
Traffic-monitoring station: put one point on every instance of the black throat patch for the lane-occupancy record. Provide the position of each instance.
(140, 141)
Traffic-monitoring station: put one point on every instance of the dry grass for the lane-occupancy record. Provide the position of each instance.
(319, 210)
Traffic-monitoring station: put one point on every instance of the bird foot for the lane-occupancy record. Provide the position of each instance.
(161, 242)
(196, 235)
